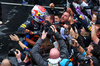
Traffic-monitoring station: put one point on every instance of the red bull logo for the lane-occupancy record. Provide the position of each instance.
(42, 9)
(37, 13)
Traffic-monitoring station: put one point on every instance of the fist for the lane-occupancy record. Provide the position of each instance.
(51, 5)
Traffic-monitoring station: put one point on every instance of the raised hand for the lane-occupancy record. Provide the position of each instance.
(53, 28)
(94, 18)
(18, 55)
(44, 34)
(14, 37)
(26, 59)
(51, 5)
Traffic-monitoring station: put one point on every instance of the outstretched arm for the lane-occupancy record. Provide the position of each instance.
(63, 47)
(76, 44)
(15, 38)
(35, 51)
(93, 32)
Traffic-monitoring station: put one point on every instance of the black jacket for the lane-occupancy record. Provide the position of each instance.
(30, 26)
(38, 58)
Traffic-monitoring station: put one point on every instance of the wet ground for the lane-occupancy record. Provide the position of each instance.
(13, 17)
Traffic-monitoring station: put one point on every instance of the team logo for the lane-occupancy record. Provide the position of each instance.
(42, 9)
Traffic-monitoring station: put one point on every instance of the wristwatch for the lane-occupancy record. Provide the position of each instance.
(93, 23)
(78, 46)
(18, 41)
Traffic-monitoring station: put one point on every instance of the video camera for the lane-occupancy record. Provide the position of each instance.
(27, 53)
(83, 59)
(11, 53)
(47, 28)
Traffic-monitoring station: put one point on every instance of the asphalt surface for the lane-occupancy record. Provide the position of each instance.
(12, 17)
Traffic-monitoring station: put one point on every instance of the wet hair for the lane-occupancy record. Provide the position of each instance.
(47, 45)
(96, 51)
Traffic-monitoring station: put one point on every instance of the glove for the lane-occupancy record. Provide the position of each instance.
(62, 33)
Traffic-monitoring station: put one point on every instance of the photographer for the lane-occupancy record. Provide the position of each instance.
(54, 55)
(93, 51)
(46, 46)
(20, 62)
(17, 53)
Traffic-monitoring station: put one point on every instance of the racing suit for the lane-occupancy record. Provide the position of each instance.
(31, 28)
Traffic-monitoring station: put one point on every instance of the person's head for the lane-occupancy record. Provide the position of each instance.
(84, 32)
(67, 26)
(70, 11)
(50, 18)
(93, 50)
(5, 62)
(64, 18)
(54, 57)
(39, 13)
(47, 45)
(54, 53)
(56, 18)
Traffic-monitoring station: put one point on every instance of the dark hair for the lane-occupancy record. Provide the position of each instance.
(47, 45)
(52, 17)
(58, 15)
(96, 50)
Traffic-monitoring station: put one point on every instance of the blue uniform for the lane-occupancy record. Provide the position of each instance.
(31, 29)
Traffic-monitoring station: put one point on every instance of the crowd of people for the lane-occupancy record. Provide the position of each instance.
(70, 38)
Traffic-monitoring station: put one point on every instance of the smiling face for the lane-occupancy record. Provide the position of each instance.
(65, 17)
(57, 19)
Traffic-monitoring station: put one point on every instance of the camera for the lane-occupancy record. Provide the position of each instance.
(28, 53)
(47, 25)
(47, 28)
(11, 53)
(83, 59)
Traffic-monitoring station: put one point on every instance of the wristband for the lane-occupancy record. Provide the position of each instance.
(19, 61)
(18, 41)
(78, 46)
(84, 53)
(93, 23)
